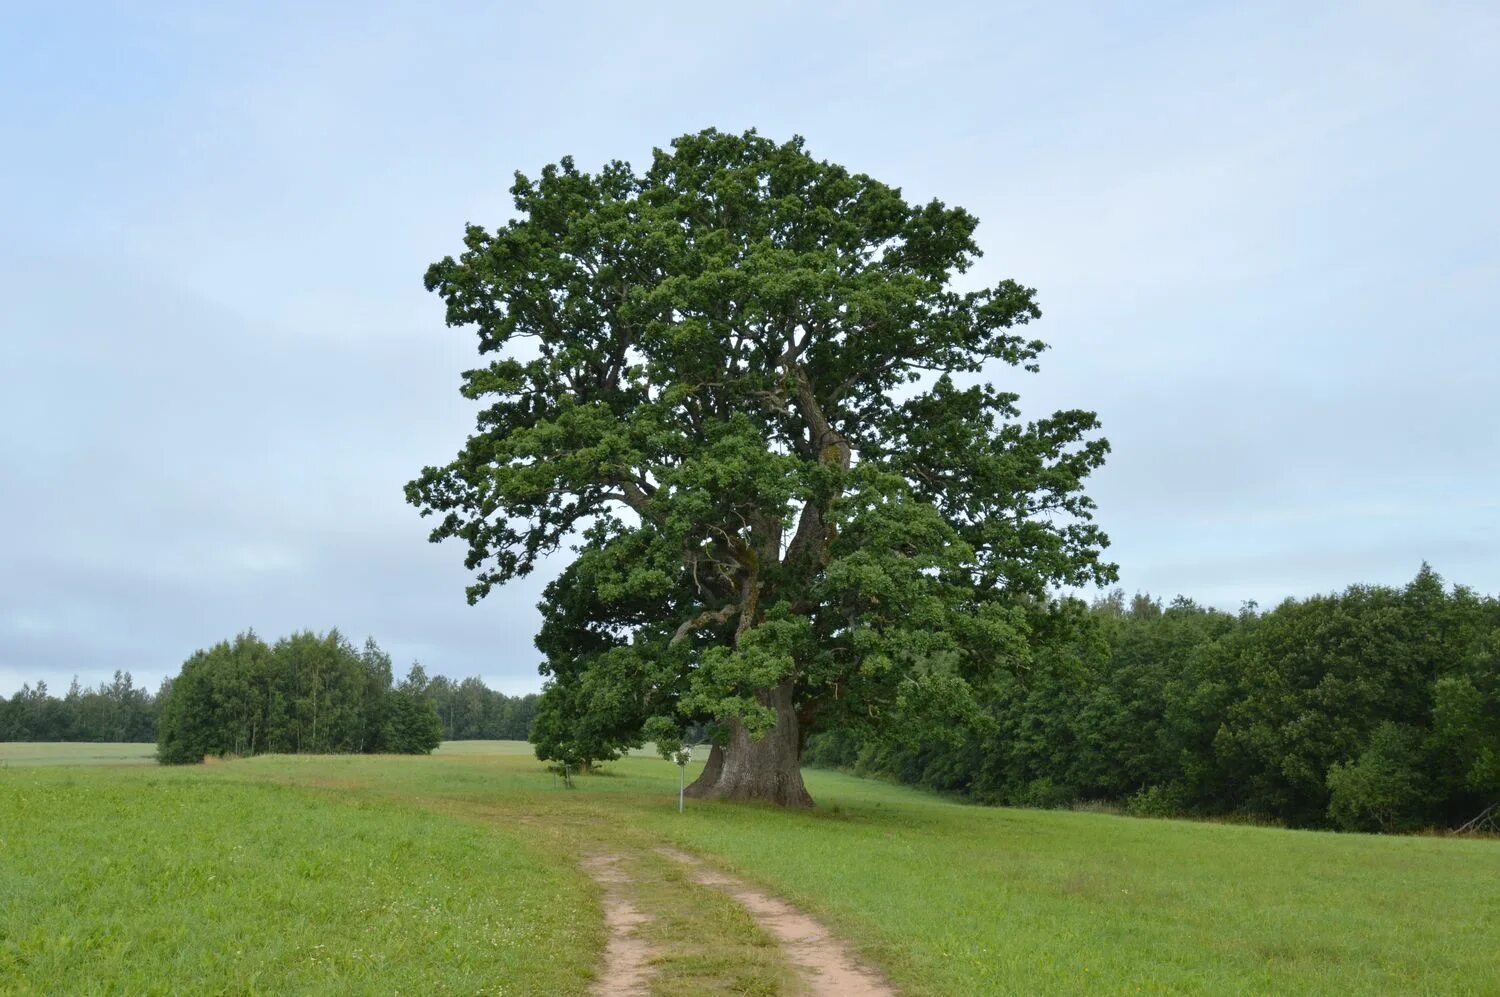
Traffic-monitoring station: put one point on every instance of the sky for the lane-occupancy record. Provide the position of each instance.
(1266, 240)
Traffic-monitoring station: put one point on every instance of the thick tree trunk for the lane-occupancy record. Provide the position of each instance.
(768, 770)
(710, 774)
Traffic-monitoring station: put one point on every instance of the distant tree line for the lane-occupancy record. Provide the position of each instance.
(114, 711)
(471, 711)
(1376, 709)
(304, 693)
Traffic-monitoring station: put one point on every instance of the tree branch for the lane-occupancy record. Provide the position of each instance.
(702, 620)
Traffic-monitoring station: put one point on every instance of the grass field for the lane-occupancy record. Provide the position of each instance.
(173, 883)
(75, 753)
(478, 846)
(94, 753)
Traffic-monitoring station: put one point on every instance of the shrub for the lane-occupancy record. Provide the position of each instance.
(1384, 789)
(1157, 801)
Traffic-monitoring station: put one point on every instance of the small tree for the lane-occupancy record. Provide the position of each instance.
(186, 732)
(413, 725)
(746, 384)
(1384, 789)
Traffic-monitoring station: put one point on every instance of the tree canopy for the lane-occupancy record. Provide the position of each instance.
(310, 693)
(117, 710)
(1374, 709)
(748, 388)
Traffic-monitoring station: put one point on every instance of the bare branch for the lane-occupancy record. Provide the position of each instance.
(702, 620)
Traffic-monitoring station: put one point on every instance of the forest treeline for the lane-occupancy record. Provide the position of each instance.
(307, 692)
(472, 711)
(1374, 709)
(117, 711)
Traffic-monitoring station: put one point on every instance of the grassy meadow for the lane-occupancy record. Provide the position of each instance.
(164, 881)
(29, 753)
(458, 873)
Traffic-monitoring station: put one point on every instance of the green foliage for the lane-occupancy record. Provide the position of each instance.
(115, 711)
(1374, 709)
(1156, 801)
(471, 711)
(119, 712)
(413, 727)
(308, 693)
(1385, 788)
(575, 737)
(748, 398)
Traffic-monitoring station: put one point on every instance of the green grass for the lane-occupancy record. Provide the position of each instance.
(171, 881)
(29, 753)
(461, 749)
(955, 899)
(948, 899)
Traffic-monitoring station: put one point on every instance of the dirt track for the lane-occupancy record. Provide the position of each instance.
(823, 963)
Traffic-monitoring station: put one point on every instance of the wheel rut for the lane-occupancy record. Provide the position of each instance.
(627, 968)
(826, 965)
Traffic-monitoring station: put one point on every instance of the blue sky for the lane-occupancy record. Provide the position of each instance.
(1266, 239)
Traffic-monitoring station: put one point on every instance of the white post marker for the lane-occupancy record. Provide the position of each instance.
(681, 756)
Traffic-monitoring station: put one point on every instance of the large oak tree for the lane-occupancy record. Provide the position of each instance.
(746, 387)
